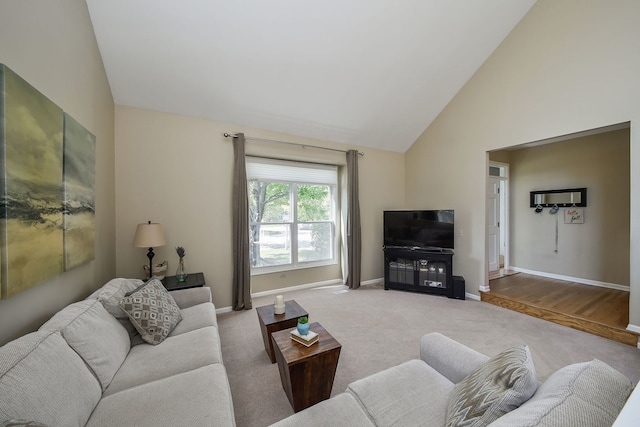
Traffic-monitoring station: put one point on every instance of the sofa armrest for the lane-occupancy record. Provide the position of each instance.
(192, 296)
(452, 359)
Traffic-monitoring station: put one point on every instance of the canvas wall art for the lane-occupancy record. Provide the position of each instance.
(47, 188)
(79, 193)
(31, 135)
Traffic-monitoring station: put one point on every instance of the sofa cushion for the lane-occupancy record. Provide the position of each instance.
(95, 335)
(581, 395)
(201, 397)
(182, 353)
(341, 410)
(110, 295)
(196, 317)
(43, 380)
(502, 384)
(409, 394)
(152, 311)
(192, 296)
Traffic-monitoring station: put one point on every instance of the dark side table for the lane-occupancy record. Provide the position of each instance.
(271, 322)
(306, 373)
(194, 280)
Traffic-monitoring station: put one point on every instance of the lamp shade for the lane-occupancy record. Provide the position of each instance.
(149, 235)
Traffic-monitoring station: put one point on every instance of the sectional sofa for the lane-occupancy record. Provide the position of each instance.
(454, 385)
(88, 365)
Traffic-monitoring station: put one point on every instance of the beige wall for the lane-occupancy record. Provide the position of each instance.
(51, 45)
(597, 250)
(568, 66)
(501, 156)
(177, 171)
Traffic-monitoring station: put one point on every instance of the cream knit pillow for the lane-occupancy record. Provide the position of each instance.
(502, 384)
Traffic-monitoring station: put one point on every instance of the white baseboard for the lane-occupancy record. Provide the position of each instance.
(334, 282)
(572, 279)
(373, 282)
(326, 283)
(472, 296)
(224, 310)
(633, 328)
(636, 329)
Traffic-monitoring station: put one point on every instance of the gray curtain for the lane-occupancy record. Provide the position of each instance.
(241, 266)
(354, 240)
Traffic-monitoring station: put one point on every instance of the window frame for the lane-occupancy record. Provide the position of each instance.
(293, 224)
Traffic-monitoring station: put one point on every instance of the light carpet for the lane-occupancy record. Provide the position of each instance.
(379, 329)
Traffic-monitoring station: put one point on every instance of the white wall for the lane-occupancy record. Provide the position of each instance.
(568, 66)
(51, 45)
(177, 171)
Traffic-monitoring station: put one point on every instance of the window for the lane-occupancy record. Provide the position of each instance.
(292, 214)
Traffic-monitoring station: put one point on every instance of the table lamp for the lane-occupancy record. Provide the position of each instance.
(149, 235)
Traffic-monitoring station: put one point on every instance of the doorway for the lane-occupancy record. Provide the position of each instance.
(497, 218)
(594, 253)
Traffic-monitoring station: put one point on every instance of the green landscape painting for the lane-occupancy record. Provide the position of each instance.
(79, 193)
(31, 134)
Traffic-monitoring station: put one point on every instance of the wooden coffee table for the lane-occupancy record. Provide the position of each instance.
(306, 373)
(271, 322)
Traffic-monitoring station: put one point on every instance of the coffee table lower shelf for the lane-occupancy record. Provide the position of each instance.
(306, 373)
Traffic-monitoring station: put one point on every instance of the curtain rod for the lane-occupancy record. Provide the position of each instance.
(233, 135)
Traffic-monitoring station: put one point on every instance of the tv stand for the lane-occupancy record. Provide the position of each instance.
(417, 248)
(419, 269)
(430, 249)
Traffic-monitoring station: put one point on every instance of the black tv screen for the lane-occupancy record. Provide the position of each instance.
(431, 229)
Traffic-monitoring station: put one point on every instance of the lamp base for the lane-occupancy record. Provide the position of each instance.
(150, 255)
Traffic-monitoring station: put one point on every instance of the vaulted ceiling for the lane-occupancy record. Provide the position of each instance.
(374, 73)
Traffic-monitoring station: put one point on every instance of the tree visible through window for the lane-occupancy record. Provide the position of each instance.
(292, 223)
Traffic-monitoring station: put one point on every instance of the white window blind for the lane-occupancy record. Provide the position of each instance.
(283, 170)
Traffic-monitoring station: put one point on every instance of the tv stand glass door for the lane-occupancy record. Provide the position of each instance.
(402, 270)
(419, 270)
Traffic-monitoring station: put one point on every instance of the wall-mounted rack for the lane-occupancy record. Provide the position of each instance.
(564, 198)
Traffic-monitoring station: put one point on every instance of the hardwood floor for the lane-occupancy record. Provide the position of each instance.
(502, 272)
(600, 311)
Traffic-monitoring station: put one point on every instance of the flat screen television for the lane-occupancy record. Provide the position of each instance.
(429, 229)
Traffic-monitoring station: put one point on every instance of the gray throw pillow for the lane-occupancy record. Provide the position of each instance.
(502, 384)
(152, 310)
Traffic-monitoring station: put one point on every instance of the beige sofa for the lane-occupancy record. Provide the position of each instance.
(421, 393)
(86, 366)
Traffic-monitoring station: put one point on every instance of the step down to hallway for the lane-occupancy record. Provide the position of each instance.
(576, 322)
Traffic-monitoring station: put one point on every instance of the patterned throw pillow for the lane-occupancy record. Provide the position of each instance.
(502, 384)
(153, 312)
